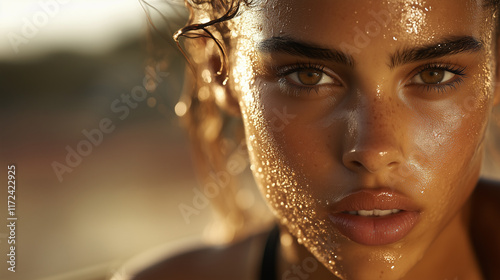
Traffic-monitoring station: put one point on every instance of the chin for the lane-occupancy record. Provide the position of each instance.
(350, 260)
(360, 262)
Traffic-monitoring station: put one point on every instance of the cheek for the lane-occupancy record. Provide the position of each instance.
(449, 151)
(298, 131)
(291, 137)
(273, 147)
(266, 123)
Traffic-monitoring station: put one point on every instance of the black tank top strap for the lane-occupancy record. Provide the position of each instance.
(270, 256)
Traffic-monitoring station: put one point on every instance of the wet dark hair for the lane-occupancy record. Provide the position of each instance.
(218, 12)
(206, 123)
(214, 134)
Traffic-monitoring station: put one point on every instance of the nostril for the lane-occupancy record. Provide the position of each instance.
(357, 164)
(370, 160)
(393, 164)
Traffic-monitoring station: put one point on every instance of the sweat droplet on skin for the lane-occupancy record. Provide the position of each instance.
(286, 188)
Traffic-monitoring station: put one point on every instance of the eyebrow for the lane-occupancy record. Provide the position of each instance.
(294, 47)
(449, 46)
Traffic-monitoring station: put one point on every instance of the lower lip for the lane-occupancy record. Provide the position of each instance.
(375, 230)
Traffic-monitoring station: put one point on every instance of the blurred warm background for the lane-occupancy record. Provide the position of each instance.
(62, 65)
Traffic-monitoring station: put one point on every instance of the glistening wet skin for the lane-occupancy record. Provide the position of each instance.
(386, 140)
(365, 124)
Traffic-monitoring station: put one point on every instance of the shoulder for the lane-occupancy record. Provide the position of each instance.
(238, 260)
(485, 225)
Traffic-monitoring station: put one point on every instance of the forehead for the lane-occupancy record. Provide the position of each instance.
(386, 23)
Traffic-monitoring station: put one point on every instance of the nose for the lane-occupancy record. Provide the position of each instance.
(374, 139)
(371, 160)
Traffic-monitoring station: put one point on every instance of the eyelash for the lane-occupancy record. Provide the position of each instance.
(297, 90)
(293, 89)
(442, 88)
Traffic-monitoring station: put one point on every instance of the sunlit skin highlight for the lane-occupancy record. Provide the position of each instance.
(406, 112)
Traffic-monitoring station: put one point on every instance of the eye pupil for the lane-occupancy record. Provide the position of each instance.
(432, 76)
(309, 77)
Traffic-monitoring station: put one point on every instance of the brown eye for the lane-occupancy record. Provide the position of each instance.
(432, 77)
(310, 77)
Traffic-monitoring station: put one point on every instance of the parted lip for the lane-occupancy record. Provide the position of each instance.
(375, 230)
(374, 198)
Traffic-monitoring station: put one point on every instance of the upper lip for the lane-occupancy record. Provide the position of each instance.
(369, 199)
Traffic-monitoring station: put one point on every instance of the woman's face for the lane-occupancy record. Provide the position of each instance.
(351, 107)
